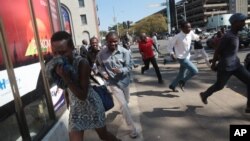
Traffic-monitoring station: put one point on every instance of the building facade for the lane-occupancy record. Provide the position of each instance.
(198, 12)
(80, 19)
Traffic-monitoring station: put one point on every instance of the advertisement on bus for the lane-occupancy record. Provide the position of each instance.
(21, 44)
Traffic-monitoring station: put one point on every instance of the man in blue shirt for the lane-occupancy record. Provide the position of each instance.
(229, 64)
(115, 66)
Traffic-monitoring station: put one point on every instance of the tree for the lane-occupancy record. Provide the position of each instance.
(154, 23)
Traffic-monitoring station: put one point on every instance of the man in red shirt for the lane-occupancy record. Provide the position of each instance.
(146, 50)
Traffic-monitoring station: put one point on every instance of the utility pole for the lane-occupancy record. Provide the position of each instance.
(168, 14)
(115, 21)
(176, 18)
(184, 10)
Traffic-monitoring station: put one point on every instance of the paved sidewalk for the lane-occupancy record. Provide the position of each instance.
(166, 115)
(162, 115)
(115, 122)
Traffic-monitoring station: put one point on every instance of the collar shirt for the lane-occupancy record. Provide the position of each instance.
(182, 44)
(155, 40)
(119, 58)
(146, 48)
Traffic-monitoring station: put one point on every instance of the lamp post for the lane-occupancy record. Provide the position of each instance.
(115, 21)
(168, 15)
(176, 18)
(184, 10)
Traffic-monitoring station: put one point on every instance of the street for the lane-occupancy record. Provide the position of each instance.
(162, 115)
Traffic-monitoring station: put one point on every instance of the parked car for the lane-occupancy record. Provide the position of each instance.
(244, 37)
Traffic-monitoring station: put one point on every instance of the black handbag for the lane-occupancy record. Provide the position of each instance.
(105, 95)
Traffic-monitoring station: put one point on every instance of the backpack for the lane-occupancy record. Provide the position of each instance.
(247, 62)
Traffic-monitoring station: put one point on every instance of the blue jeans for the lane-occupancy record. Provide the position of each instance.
(186, 71)
(222, 77)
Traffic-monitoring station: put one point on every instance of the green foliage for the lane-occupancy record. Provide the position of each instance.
(154, 23)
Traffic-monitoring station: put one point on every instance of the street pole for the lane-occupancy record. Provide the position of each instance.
(168, 16)
(115, 21)
(176, 18)
(184, 8)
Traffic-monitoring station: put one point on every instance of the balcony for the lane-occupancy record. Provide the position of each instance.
(215, 5)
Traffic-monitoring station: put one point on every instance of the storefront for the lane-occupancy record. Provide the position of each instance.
(29, 105)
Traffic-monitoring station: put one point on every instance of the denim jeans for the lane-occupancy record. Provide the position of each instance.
(186, 71)
(223, 76)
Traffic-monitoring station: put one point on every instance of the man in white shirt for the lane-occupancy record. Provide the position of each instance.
(156, 44)
(182, 46)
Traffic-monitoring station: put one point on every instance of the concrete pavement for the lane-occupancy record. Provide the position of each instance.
(164, 115)
(167, 115)
(115, 122)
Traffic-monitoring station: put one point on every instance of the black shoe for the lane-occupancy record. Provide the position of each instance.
(142, 70)
(181, 85)
(247, 110)
(160, 81)
(173, 89)
(164, 61)
(204, 98)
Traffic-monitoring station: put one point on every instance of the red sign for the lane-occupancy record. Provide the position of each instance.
(19, 30)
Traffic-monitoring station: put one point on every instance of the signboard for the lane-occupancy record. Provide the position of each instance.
(19, 31)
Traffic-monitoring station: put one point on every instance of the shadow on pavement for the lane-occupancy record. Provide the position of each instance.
(155, 93)
(172, 112)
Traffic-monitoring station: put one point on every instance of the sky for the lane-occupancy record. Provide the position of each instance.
(124, 10)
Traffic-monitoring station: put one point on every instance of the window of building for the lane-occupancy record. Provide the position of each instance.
(84, 19)
(81, 3)
(66, 19)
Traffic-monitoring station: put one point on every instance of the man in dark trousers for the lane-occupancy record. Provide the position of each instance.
(229, 64)
(146, 45)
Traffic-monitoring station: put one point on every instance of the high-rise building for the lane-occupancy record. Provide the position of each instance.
(199, 11)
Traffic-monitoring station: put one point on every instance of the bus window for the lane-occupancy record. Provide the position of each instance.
(8, 122)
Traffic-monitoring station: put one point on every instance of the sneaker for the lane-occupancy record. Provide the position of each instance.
(204, 98)
(160, 81)
(133, 134)
(173, 89)
(181, 85)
